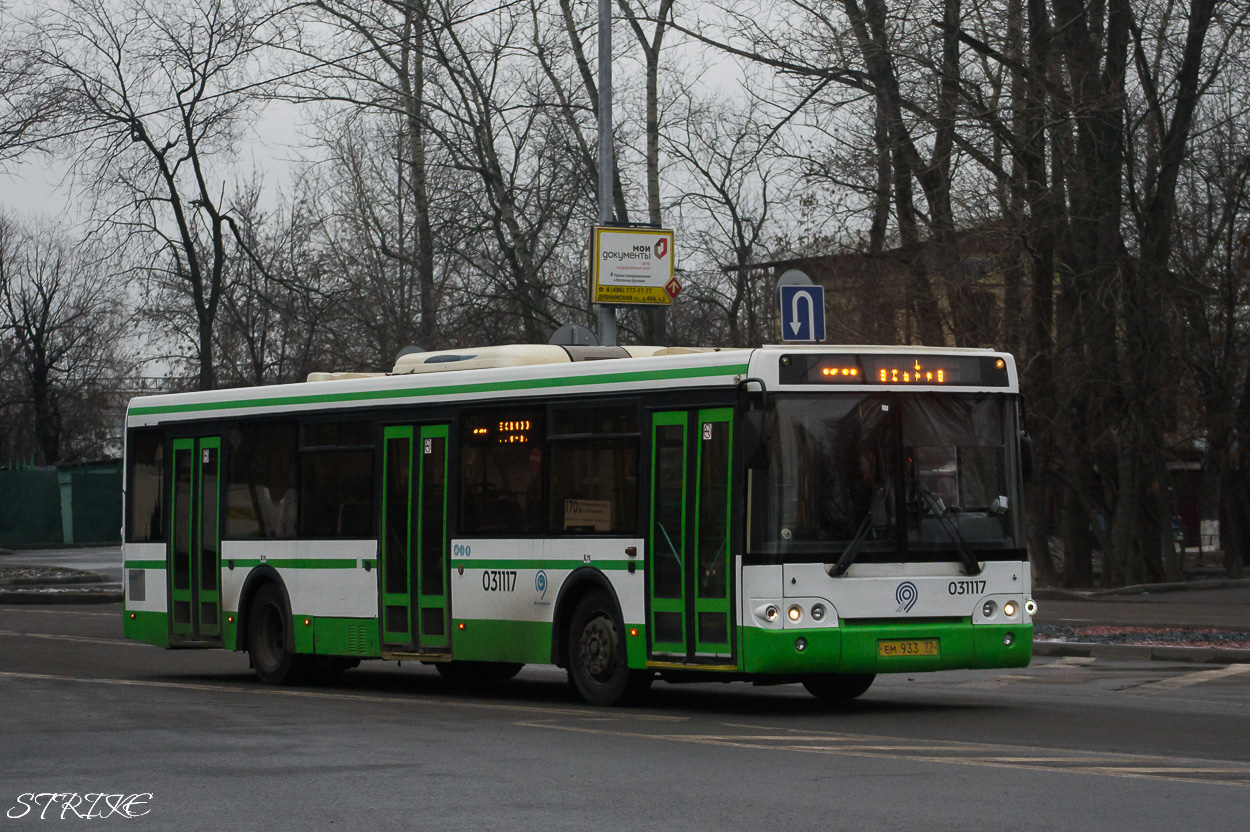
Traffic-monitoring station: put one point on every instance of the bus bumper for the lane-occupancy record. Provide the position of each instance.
(854, 647)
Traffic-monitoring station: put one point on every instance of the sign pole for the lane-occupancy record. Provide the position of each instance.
(607, 312)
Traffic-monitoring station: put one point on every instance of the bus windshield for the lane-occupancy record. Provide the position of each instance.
(890, 477)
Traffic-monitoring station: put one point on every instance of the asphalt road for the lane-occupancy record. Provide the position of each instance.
(1065, 744)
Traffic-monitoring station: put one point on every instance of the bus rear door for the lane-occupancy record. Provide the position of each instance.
(194, 548)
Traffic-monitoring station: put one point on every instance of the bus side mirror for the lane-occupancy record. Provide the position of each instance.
(756, 436)
(1026, 456)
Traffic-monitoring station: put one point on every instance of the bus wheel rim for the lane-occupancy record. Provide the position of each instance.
(598, 648)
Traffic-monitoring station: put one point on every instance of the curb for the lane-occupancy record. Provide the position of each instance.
(51, 581)
(1142, 652)
(109, 594)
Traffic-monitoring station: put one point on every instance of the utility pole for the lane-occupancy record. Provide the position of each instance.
(607, 312)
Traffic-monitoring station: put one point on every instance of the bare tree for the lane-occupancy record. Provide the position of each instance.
(727, 197)
(494, 123)
(27, 99)
(156, 97)
(61, 319)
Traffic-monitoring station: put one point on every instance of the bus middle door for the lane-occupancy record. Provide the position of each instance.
(413, 598)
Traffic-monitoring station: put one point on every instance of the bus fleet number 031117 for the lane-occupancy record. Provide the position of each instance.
(499, 580)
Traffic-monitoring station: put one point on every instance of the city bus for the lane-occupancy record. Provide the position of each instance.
(786, 514)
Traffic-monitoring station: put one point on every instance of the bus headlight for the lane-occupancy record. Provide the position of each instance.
(988, 609)
(818, 612)
(768, 613)
(1009, 609)
(1030, 606)
(795, 612)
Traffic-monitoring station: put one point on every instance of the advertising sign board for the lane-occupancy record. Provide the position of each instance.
(632, 266)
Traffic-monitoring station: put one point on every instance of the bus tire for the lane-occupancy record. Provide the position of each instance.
(477, 673)
(271, 639)
(839, 687)
(598, 669)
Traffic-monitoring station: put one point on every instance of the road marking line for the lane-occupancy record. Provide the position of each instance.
(1075, 764)
(1067, 661)
(1000, 682)
(413, 699)
(60, 637)
(1187, 679)
(997, 683)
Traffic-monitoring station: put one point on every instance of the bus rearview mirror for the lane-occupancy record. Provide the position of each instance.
(1026, 456)
(756, 433)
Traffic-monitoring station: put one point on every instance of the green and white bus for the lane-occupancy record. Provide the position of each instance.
(812, 514)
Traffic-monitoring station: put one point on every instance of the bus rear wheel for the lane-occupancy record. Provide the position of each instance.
(598, 669)
(271, 640)
(839, 687)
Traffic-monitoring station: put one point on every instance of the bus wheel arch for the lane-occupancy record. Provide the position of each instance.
(579, 583)
(259, 576)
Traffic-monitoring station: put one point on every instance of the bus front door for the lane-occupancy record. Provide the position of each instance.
(194, 548)
(413, 557)
(689, 565)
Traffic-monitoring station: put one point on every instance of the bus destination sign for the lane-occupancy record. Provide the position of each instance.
(632, 266)
(895, 370)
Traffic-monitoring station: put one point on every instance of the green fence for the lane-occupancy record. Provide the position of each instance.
(62, 505)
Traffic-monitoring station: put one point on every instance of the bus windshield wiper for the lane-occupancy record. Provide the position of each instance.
(852, 548)
(971, 566)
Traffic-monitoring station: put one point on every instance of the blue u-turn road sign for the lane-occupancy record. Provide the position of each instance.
(802, 313)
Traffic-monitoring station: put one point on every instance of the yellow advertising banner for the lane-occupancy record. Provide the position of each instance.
(632, 266)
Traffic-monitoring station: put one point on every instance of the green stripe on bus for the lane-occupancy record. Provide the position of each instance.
(474, 563)
(450, 390)
(144, 564)
(296, 563)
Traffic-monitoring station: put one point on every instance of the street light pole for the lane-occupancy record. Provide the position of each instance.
(607, 312)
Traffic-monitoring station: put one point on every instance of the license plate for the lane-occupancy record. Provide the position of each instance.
(908, 647)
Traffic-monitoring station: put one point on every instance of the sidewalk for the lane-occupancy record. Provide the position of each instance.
(83, 575)
(1209, 624)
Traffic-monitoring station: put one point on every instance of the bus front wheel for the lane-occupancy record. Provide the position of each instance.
(597, 665)
(839, 687)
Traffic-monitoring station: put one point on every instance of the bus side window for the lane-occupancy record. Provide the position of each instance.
(501, 456)
(594, 486)
(262, 477)
(144, 522)
(336, 490)
(593, 470)
(336, 479)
